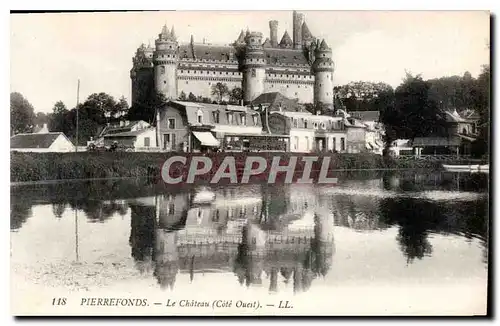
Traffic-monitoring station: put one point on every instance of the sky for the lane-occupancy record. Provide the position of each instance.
(50, 52)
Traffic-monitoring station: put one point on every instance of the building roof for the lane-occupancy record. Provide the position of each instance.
(208, 113)
(35, 140)
(453, 116)
(115, 129)
(306, 33)
(127, 133)
(366, 115)
(470, 114)
(286, 40)
(275, 100)
(207, 52)
(285, 56)
(436, 141)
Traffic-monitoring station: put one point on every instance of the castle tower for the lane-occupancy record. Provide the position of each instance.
(273, 26)
(298, 20)
(165, 63)
(254, 67)
(323, 74)
(142, 74)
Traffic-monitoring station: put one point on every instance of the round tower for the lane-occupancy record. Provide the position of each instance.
(165, 63)
(254, 67)
(323, 74)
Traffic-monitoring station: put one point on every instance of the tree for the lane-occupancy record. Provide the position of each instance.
(192, 97)
(21, 114)
(41, 118)
(57, 120)
(147, 111)
(100, 103)
(363, 96)
(236, 95)
(220, 90)
(417, 114)
(182, 96)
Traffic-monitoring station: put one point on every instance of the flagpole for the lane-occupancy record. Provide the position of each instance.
(77, 102)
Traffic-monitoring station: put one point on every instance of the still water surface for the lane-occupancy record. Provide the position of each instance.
(417, 241)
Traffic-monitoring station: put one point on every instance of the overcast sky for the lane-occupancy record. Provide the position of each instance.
(49, 52)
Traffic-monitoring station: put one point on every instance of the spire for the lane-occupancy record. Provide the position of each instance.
(241, 38)
(164, 30)
(306, 34)
(248, 32)
(286, 40)
(192, 39)
(172, 33)
(324, 46)
(267, 43)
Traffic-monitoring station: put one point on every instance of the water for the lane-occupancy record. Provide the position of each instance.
(376, 243)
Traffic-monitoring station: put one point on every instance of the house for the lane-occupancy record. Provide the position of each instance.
(459, 133)
(189, 126)
(137, 135)
(308, 132)
(401, 147)
(374, 129)
(138, 140)
(41, 142)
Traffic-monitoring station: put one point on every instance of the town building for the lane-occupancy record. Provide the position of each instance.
(41, 142)
(459, 132)
(299, 66)
(132, 135)
(191, 127)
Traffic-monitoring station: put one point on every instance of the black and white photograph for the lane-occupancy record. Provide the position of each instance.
(250, 163)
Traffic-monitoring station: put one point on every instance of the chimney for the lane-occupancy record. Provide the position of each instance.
(298, 20)
(273, 25)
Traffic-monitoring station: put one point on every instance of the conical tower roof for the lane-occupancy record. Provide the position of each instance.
(172, 33)
(324, 46)
(241, 38)
(164, 30)
(286, 39)
(306, 34)
(267, 43)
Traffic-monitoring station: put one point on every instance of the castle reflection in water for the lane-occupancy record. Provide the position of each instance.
(268, 234)
(254, 231)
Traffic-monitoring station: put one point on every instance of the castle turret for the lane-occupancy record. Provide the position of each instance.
(254, 67)
(165, 63)
(273, 26)
(298, 20)
(142, 73)
(323, 74)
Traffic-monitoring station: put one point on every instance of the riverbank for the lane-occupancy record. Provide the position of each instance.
(39, 167)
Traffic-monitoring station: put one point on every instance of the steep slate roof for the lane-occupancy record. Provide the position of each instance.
(285, 56)
(207, 52)
(34, 140)
(453, 117)
(191, 109)
(127, 133)
(286, 39)
(366, 115)
(274, 99)
(306, 33)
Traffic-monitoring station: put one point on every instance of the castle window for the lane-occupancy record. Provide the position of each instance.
(255, 119)
(209, 84)
(305, 123)
(315, 125)
(299, 86)
(216, 116)
(220, 73)
(164, 81)
(168, 56)
(253, 73)
(187, 82)
(287, 86)
(230, 118)
(170, 46)
(162, 70)
(182, 71)
(296, 93)
(243, 119)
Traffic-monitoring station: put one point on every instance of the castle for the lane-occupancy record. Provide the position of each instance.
(300, 67)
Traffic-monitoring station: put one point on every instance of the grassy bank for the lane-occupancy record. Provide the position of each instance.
(26, 167)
